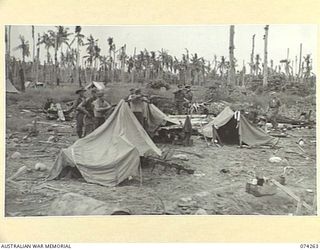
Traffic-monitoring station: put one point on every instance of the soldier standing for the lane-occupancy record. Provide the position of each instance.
(137, 105)
(87, 108)
(273, 109)
(79, 113)
(100, 106)
(179, 99)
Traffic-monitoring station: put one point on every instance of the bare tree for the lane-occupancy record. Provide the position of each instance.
(252, 57)
(265, 64)
(231, 75)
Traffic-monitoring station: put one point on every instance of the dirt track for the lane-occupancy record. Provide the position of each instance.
(208, 188)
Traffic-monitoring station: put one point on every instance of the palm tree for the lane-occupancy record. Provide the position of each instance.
(196, 66)
(60, 37)
(79, 38)
(25, 51)
(93, 53)
(46, 39)
(96, 55)
(91, 42)
(112, 47)
(222, 66)
(24, 47)
(122, 58)
(308, 68)
(104, 65)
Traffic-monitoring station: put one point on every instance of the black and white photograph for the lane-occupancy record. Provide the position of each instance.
(160, 120)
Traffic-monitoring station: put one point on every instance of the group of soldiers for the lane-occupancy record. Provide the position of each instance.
(91, 111)
(183, 98)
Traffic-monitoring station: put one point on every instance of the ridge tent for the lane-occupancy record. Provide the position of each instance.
(233, 128)
(98, 85)
(111, 153)
(155, 118)
(10, 88)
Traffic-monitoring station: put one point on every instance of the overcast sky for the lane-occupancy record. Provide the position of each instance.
(207, 41)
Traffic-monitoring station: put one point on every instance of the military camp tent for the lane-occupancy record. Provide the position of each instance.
(10, 88)
(155, 119)
(233, 128)
(111, 153)
(97, 85)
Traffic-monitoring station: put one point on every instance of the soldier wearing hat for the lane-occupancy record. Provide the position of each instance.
(179, 99)
(79, 115)
(273, 109)
(137, 105)
(128, 98)
(132, 92)
(100, 106)
(87, 108)
(188, 96)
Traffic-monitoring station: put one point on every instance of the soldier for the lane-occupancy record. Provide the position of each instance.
(87, 108)
(100, 106)
(137, 106)
(273, 109)
(179, 99)
(132, 92)
(79, 113)
(188, 94)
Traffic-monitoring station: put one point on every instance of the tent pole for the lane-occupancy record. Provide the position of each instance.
(140, 170)
(239, 127)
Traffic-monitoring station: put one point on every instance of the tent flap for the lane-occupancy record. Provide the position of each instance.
(251, 135)
(10, 88)
(156, 118)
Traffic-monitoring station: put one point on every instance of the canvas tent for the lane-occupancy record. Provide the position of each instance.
(155, 118)
(98, 85)
(233, 128)
(10, 88)
(111, 153)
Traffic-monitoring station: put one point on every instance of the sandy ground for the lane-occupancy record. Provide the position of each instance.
(164, 191)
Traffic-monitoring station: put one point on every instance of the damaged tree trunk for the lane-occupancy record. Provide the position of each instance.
(252, 57)
(265, 64)
(231, 75)
(300, 56)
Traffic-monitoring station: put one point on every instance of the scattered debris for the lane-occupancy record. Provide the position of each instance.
(199, 174)
(290, 193)
(201, 211)
(260, 190)
(180, 157)
(16, 155)
(76, 204)
(34, 156)
(40, 166)
(168, 163)
(54, 143)
(275, 159)
(224, 171)
(190, 153)
(20, 171)
(124, 211)
(301, 142)
(202, 194)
